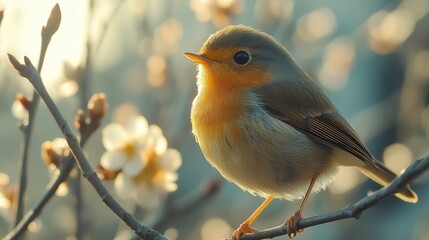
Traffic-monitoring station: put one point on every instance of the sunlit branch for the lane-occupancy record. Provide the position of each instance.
(47, 32)
(28, 71)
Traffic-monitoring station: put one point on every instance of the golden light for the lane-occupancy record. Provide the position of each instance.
(166, 37)
(138, 7)
(338, 60)
(218, 11)
(62, 190)
(4, 179)
(35, 226)
(315, 25)
(202, 12)
(171, 234)
(397, 157)
(387, 31)
(124, 112)
(21, 27)
(215, 229)
(279, 8)
(225, 3)
(68, 88)
(156, 66)
(348, 178)
(5, 202)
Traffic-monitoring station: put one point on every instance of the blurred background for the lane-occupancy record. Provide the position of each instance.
(371, 57)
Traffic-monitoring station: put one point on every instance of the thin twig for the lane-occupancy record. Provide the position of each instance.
(354, 210)
(28, 71)
(47, 32)
(51, 188)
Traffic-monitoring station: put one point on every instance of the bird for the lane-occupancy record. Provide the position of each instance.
(268, 127)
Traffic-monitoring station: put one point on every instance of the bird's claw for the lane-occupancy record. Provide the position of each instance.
(292, 225)
(244, 228)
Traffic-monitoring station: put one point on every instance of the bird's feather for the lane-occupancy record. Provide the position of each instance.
(313, 114)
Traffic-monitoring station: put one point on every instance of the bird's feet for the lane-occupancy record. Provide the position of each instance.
(243, 229)
(292, 227)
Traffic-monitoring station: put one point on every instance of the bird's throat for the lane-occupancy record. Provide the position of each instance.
(213, 108)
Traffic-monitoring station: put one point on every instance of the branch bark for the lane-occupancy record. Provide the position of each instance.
(47, 32)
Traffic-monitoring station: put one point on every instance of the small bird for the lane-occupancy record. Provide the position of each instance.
(266, 126)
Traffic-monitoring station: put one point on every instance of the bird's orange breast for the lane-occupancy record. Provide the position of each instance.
(216, 112)
(215, 116)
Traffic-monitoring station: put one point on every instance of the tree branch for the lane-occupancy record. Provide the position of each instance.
(47, 32)
(51, 188)
(353, 210)
(28, 71)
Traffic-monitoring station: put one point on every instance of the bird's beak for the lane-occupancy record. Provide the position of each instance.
(198, 58)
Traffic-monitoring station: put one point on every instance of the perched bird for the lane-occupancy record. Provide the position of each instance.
(266, 126)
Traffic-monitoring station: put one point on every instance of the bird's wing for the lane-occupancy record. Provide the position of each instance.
(303, 105)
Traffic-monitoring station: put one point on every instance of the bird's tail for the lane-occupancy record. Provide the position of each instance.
(383, 176)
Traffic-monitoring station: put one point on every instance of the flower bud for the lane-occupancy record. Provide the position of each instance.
(97, 106)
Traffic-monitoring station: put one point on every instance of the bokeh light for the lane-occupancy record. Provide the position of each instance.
(35, 226)
(397, 157)
(316, 25)
(338, 60)
(68, 88)
(156, 66)
(387, 31)
(4, 179)
(166, 37)
(274, 10)
(171, 234)
(123, 112)
(348, 178)
(215, 229)
(218, 11)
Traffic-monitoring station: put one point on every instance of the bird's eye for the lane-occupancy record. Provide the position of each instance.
(242, 58)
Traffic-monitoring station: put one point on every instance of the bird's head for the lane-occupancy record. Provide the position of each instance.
(239, 58)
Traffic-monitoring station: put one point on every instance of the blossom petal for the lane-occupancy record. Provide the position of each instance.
(171, 160)
(155, 140)
(170, 186)
(124, 187)
(166, 183)
(113, 161)
(114, 136)
(161, 145)
(171, 177)
(151, 137)
(60, 146)
(60, 143)
(19, 111)
(137, 127)
(133, 167)
(155, 130)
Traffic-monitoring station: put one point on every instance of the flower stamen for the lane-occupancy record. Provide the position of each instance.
(152, 170)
